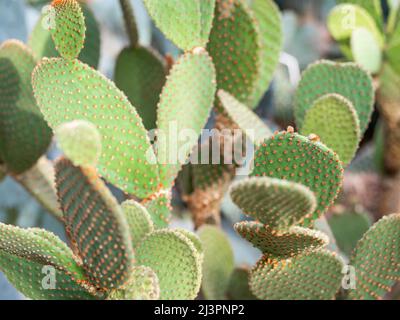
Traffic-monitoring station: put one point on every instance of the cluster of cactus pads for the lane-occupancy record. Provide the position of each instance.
(126, 250)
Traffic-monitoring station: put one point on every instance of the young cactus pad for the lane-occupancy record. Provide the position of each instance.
(24, 135)
(191, 85)
(139, 220)
(175, 260)
(42, 43)
(345, 79)
(142, 285)
(95, 224)
(69, 28)
(335, 121)
(290, 156)
(276, 203)
(71, 90)
(311, 276)
(281, 245)
(81, 142)
(27, 255)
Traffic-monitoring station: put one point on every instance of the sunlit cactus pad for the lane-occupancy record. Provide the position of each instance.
(142, 285)
(81, 142)
(140, 74)
(311, 276)
(335, 121)
(276, 203)
(345, 79)
(276, 244)
(69, 28)
(191, 85)
(24, 135)
(139, 221)
(290, 156)
(26, 253)
(376, 259)
(42, 44)
(235, 47)
(95, 224)
(186, 22)
(70, 90)
(218, 262)
(175, 260)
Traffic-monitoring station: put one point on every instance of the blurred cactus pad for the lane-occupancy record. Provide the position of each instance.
(167, 165)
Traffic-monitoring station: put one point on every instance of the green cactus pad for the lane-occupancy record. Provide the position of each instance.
(186, 22)
(191, 85)
(95, 224)
(345, 79)
(253, 127)
(276, 244)
(81, 142)
(69, 29)
(141, 74)
(42, 43)
(26, 254)
(333, 118)
(376, 259)
(348, 228)
(373, 7)
(235, 47)
(366, 51)
(311, 276)
(70, 90)
(269, 20)
(142, 285)
(130, 22)
(160, 209)
(290, 156)
(218, 263)
(276, 203)
(139, 221)
(179, 274)
(24, 135)
(239, 285)
(346, 18)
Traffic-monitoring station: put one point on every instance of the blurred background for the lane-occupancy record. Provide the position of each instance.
(306, 40)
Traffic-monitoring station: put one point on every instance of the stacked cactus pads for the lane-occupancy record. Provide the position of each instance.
(335, 101)
(290, 156)
(24, 135)
(294, 181)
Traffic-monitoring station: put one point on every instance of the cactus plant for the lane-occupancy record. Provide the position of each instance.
(126, 248)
